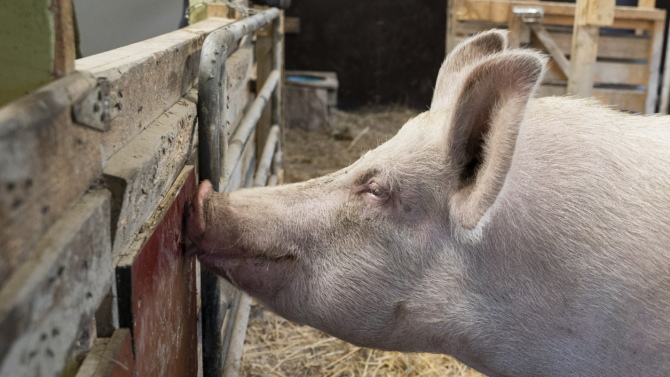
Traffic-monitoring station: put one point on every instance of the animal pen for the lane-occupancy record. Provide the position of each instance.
(96, 170)
(614, 51)
(97, 167)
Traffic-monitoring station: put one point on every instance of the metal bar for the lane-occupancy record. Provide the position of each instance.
(265, 162)
(234, 354)
(239, 319)
(277, 55)
(211, 103)
(247, 126)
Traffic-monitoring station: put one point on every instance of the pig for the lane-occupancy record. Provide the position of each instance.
(524, 236)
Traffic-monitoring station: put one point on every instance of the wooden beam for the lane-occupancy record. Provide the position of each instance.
(47, 162)
(150, 77)
(552, 47)
(610, 47)
(497, 11)
(64, 51)
(292, 25)
(143, 171)
(665, 90)
(646, 4)
(589, 16)
(605, 73)
(49, 302)
(654, 59)
(582, 60)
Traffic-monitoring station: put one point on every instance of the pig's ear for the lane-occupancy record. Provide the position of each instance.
(481, 136)
(468, 52)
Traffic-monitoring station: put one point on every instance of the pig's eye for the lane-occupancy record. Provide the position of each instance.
(377, 191)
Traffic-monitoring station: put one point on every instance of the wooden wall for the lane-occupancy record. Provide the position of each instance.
(78, 197)
(383, 51)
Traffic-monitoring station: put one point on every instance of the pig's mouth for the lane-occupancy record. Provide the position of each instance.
(275, 259)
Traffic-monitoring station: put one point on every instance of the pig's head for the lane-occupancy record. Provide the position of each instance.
(375, 251)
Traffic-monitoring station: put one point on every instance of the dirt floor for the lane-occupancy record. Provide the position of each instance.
(277, 347)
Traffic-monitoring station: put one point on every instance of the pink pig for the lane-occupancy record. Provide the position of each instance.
(526, 237)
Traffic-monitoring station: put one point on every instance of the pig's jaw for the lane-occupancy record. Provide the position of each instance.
(258, 275)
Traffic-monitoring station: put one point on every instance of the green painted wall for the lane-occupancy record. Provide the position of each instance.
(27, 41)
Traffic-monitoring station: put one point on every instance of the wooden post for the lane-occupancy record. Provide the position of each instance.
(37, 45)
(654, 64)
(589, 16)
(514, 31)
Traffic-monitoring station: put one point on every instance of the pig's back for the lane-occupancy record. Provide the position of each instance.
(585, 214)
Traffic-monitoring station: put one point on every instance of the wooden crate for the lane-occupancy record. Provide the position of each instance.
(629, 51)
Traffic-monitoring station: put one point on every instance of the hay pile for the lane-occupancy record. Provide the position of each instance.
(277, 347)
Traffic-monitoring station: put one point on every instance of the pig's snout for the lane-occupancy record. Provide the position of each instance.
(196, 222)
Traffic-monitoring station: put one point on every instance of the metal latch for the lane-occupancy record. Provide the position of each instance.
(98, 107)
(529, 14)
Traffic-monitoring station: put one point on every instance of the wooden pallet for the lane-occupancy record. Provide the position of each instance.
(626, 73)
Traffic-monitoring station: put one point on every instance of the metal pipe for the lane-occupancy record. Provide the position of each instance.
(211, 103)
(247, 126)
(239, 319)
(265, 162)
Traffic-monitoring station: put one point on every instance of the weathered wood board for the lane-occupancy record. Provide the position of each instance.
(110, 357)
(606, 73)
(631, 100)
(46, 163)
(52, 297)
(157, 290)
(143, 171)
(609, 47)
(149, 77)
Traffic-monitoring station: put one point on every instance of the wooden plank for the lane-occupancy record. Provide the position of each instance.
(219, 10)
(110, 357)
(150, 76)
(292, 25)
(665, 89)
(552, 47)
(609, 47)
(47, 162)
(157, 289)
(654, 59)
(646, 4)
(624, 99)
(604, 73)
(595, 13)
(64, 53)
(51, 299)
(514, 36)
(142, 173)
(497, 11)
(582, 60)
(584, 50)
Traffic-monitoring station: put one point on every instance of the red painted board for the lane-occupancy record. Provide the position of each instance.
(157, 294)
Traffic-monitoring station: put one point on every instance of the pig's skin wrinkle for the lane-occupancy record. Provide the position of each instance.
(549, 258)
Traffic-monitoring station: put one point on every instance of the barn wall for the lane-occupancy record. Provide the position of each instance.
(384, 51)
